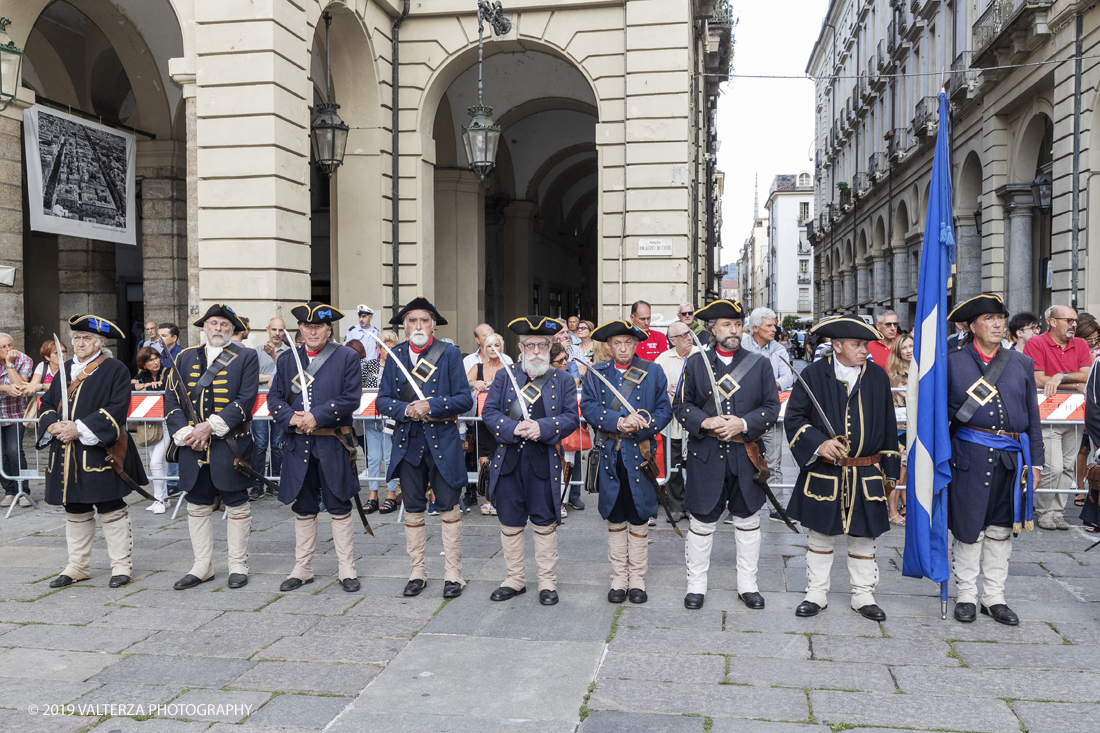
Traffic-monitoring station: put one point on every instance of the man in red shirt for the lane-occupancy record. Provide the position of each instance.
(656, 344)
(886, 322)
(1061, 364)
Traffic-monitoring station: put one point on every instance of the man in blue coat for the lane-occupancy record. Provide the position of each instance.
(319, 449)
(427, 451)
(220, 380)
(719, 467)
(627, 498)
(996, 440)
(525, 471)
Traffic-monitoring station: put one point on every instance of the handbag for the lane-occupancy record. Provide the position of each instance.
(579, 440)
(152, 434)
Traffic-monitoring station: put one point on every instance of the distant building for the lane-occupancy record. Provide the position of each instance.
(753, 265)
(790, 207)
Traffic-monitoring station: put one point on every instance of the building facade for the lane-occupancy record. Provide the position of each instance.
(605, 188)
(1008, 68)
(753, 266)
(790, 208)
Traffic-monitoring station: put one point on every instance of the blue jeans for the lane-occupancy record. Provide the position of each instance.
(11, 438)
(378, 447)
(265, 432)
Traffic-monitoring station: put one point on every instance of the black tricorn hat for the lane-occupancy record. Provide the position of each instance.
(979, 305)
(221, 310)
(536, 326)
(846, 327)
(98, 326)
(316, 312)
(419, 303)
(618, 328)
(721, 309)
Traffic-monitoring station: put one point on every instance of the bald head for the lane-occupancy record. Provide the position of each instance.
(481, 332)
(679, 335)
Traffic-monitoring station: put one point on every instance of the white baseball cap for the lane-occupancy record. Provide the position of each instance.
(364, 310)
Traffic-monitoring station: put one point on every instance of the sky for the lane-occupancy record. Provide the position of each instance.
(766, 126)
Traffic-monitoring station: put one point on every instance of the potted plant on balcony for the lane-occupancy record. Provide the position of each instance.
(845, 193)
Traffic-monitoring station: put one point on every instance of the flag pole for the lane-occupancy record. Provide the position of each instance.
(943, 600)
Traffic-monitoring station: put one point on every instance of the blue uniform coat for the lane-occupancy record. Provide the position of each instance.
(709, 459)
(334, 394)
(559, 402)
(651, 395)
(982, 478)
(448, 394)
(232, 396)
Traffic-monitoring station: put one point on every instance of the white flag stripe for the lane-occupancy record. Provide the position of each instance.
(1063, 411)
(261, 411)
(147, 403)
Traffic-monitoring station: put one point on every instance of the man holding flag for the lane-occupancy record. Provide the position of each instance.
(997, 454)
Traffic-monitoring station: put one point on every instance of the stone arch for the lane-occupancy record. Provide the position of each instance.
(901, 222)
(878, 242)
(968, 242)
(1029, 139)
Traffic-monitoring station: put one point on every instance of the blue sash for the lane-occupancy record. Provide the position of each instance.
(1022, 450)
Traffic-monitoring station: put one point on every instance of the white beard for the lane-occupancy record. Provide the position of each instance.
(535, 366)
(218, 341)
(419, 338)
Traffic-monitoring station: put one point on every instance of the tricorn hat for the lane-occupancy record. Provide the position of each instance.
(221, 310)
(98, 326)
(846, 327)
(316, 312)
(618, 328)
(419, 303)
(721, 309)
(536, 326)
(979, 305)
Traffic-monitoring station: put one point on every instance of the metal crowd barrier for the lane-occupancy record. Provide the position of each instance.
(147, 409)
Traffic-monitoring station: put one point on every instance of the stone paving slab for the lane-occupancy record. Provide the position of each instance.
(19, 612)
(783, 646)
(73, 638)
(156, 619)
(116, 693)
(811, 674)
(197, 598)
(1027, 684)
(251, 622)
(613, 722)
(707, 619)
(730, 701)
(914, 711)
(48, 664)
(333, 649)
(214, 705)
(166, 670)
(422, 608)
(883, 651)
(353, 721)
(984, 629)
(22, 721)
(209, 644)
(728, 725)
(250, 727)
(667, 667)
(998, 656)
(19, 693)
(307, 677)
(300, 601)
(305, 711)
(153, 725)
(366, 627)
(1055, 717)
(1085, 633)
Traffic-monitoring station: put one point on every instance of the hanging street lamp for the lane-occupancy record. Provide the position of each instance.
(329, 132)
(11, 62)
(481, 137)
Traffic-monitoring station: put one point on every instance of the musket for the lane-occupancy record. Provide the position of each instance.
(757, 479)
(662, 493)
(400, 366)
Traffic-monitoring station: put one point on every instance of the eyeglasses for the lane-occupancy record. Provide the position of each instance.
(1067, 320)
(892, 324)
(536, 346)
(689, 313)
(680, 336)
(560, 362)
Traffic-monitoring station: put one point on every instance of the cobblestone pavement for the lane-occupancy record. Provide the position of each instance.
(253, 660)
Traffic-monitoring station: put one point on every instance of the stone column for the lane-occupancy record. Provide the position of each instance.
(11, 227)
(968, 258)
(519, 236)
(86, 273)
(161, 166)
(460, 254)
(849, 275)
(1019, 203)
(883, 286)
(901, 280)
(863, 285)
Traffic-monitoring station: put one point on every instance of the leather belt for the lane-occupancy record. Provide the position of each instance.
(330, 431)
(1014, 436)
(734, 439)
(440, 419)
(860, 461)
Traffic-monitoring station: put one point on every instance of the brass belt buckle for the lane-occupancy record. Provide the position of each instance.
(531, 393)
(298, 382)
(424, 370)
(982, 391)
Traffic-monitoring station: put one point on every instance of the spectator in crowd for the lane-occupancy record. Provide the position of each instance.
(152, 371)
(600, 352)
(490, 359)
(1089, 330)
(150, 336)
(244, 336)
(47, 368)
(575, 368)
(559, 359)
(897, 368)
(761, 340)
(1021, 327)
(378, 434)
(656, 344)
(572, 323)
(481, 333)
(17, 372)
(886, 323)
(956, 341)
(824, 348)
(1062, 361)
(267, 433)
(359, 332)
(672, 363)
(170, 332)
(587, 345)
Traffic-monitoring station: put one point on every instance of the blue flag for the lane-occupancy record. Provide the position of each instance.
(929, 469)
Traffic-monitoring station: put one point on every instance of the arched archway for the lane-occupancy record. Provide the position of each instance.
(1028, 227)
(968, 241)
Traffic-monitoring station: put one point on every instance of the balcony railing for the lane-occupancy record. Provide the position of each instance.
(962, 76)
(723, 13)
(861, 183)
(803, 278)
(899, 144)
(877, 165)
(891, 37)
(883, 54)
(997, 19)
(926, 116)
(914, 8)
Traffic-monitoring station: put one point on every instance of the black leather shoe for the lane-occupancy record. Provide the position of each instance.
(238, 580)
(351, 585)
(616, 596)
(548, 597)
(504, 593)
(637, 595)
(808, 608)
(451, 589)
(189, 581)
(117, 581)
(293, 584)
(63, 580)
(256, 494)
(752, 600)
(694, 601)
(1002, 614)
(413, 587)
(965, 612)
(872, 612)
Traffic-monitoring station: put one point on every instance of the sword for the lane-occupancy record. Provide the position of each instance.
(817, 405)
(515, 384)
(301, 372)
(64, 379)
(662, 492)
(400, 366)
(762, 483)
